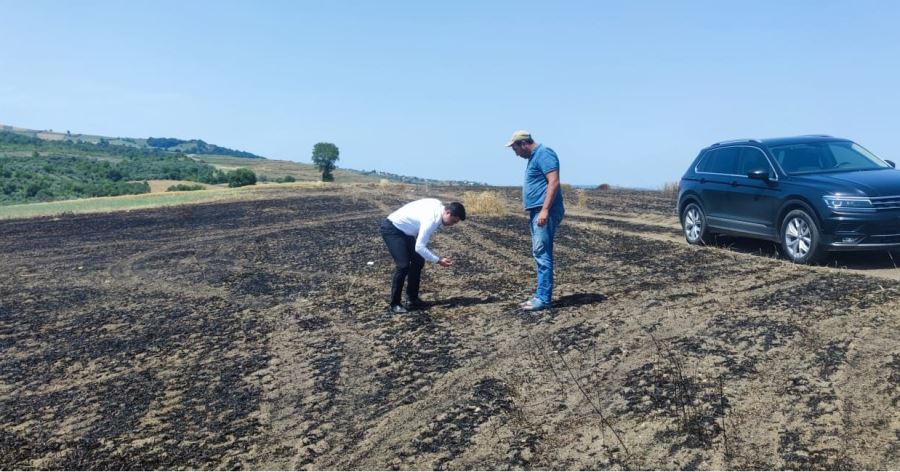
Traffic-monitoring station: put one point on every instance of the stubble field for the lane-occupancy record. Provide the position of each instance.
(254, 335)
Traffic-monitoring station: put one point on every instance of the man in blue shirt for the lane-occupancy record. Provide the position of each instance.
(543, 199)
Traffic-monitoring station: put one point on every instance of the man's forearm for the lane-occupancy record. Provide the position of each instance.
(552, 188)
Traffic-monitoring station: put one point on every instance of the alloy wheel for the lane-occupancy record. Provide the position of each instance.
(797, 238)
(693, 223)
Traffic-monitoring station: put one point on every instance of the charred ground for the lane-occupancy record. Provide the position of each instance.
(255, 335)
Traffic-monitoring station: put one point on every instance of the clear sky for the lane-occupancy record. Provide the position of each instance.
(626, 92)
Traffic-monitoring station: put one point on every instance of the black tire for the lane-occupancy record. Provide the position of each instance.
(693, 224)
(800, 237)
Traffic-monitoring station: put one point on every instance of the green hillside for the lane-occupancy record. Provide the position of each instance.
(44, 166)
(185, 146)
(38, 170)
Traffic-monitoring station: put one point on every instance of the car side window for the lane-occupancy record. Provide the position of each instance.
(753, 159)
(703, 163)
(721, 161)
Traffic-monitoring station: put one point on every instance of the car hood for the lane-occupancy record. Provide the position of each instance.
(869, 183)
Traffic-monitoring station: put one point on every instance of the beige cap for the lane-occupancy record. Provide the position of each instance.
(518, 136)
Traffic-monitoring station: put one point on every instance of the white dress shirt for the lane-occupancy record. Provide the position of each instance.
(420, 218)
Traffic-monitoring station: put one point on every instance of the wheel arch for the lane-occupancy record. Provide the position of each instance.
(686, 200)
(797, 203)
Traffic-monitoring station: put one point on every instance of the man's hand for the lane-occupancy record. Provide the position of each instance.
(542, 217)
(445, 262)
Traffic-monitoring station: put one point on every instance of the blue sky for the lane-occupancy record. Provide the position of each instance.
(625, 92)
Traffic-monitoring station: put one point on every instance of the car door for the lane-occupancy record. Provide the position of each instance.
(753, 201)
(716, 173)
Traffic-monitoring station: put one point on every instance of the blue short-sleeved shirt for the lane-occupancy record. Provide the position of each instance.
(542, 160)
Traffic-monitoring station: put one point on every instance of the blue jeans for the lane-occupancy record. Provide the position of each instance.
(542, 250)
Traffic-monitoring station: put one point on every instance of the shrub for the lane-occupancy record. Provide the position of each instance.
(185, 188)
(603, 187)
(241, 177)
(485, 203)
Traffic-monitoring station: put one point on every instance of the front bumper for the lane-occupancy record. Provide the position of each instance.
(878, 230)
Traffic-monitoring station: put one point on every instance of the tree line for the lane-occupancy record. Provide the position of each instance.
(197, 146)
(60, 170)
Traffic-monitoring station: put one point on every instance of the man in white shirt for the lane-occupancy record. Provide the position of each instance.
(406, 233)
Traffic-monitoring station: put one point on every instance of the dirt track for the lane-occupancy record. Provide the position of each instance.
(254, 335)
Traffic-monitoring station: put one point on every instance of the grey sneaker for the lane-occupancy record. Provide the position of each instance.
(535, 305)
(397, 309)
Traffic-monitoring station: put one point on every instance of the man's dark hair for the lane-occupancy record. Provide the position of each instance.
(526, 141)
(458, 210)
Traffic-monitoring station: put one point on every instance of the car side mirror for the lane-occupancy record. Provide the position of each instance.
(891, 163)
(759, 175)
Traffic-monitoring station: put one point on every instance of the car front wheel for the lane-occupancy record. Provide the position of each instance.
(694, 223)
(800, 237)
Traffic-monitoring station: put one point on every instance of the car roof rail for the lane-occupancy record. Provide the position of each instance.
(736, 141)
(819, 135)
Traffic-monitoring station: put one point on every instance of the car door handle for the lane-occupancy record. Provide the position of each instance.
(702, 180)
(734, 183)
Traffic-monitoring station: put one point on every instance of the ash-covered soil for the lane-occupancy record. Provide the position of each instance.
(255, 336)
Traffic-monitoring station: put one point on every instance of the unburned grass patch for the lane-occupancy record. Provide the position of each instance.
(486, 203)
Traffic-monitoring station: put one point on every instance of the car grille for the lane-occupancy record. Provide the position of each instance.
(886, 203)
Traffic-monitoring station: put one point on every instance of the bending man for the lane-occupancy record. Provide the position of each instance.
(406, 233)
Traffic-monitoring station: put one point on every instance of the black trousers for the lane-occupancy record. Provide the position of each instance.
(407, 261)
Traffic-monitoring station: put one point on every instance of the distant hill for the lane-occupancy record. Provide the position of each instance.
(38, 170)
(189, 146)
(47, 165)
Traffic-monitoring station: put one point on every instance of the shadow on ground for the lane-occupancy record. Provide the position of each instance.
(857, 260)
(578, 299)
(463, 301)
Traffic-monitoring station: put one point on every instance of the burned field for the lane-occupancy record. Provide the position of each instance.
(255, 335)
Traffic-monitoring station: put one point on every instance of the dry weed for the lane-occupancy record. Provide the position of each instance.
(581, 198)
(485, 203)
(670, 189)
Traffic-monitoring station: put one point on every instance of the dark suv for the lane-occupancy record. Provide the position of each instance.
(812, 194)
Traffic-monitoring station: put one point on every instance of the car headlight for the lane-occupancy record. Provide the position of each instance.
(848, 203)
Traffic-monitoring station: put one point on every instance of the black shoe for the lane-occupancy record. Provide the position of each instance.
(397, 309)
(416, 304)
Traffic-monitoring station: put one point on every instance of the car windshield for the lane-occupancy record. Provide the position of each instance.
(827, 156)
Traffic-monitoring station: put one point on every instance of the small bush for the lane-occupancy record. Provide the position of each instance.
(241, 177)
(603, 187)
(185, 188)
(670, 189)
(581, 198)
(485, 203)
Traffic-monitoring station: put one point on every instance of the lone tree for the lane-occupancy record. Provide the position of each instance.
(241, 177)
(323, 157)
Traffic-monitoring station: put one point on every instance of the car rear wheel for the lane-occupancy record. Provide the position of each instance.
(694, 223)
(800, 237)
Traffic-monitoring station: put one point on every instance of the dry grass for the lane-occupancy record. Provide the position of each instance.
(670, 189)
(581, 198)
(274, 169)
(576, 196)
(158, 186)
(487, 203)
